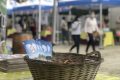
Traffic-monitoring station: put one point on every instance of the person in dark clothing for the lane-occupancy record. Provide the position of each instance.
(33, 28)
(76, 31)
(90, 42)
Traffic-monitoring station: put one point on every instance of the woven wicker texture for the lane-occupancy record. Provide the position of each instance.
(77, 67)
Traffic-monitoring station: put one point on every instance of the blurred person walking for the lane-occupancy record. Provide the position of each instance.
(33, 28)
(75, 32)
(18, 28)
(46, 33)
(64, 30)
(91, 28)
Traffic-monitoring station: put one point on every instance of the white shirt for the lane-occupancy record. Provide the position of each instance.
(18, 28)
(76, 28)
(64, 25)
(91, 25)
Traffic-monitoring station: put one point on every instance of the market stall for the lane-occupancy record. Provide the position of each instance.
(90, 4)
(10, 62)
(35, 7)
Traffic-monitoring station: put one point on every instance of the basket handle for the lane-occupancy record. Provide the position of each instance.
(94, 54)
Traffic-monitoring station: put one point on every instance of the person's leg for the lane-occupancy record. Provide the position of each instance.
(72, 47)
(68, 37)
(77, 43)
(93, 42)
(88, 43)
(73, 37)
(78, 46)
(63, 37)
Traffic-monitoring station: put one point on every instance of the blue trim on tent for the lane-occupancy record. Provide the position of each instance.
(85, 4)
(31, 8)
(77, 2)
(109, 3)
(28, 8)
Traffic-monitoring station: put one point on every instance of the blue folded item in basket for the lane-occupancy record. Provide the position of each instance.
(38, 49)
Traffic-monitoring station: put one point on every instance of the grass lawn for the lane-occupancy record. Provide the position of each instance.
(15, 75)
(26, 76)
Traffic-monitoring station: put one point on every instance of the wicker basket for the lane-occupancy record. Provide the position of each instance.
(82, 67)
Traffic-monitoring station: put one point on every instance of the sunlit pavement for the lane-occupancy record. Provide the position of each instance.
(109, 70)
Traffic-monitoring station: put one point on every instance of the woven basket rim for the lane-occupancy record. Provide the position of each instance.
(26, 58)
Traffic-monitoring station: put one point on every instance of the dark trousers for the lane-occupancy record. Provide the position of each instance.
(90, 42)
(76, 39)
(65, 35)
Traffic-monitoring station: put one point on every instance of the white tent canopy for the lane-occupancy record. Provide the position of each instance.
(28, 5)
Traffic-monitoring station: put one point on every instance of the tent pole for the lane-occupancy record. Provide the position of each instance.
(0, 27)
(55, 20)
(58, 28)
(36, 19)
(39, 21)
(4, 18)
(101, 22)
(13, 19)
(69, 20)
(70, 13)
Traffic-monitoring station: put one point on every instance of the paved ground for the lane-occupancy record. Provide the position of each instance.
(109, 70)
(111, 55)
